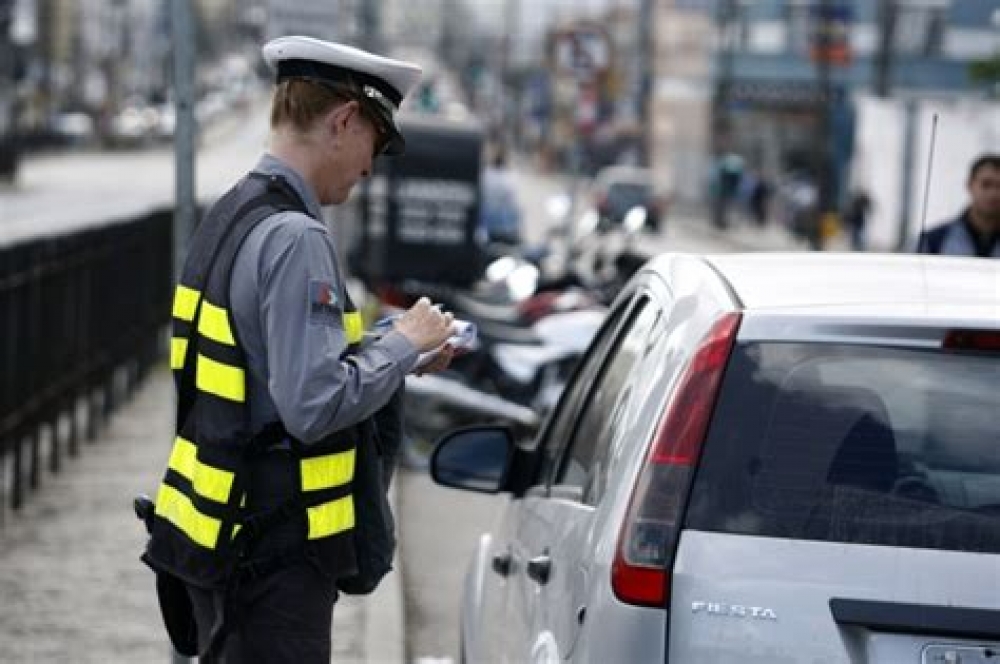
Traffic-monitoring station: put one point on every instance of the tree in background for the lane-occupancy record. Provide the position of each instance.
(987, 72)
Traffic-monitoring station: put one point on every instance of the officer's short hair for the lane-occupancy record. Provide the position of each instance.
(299, 103)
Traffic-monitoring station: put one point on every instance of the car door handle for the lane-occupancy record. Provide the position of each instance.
(502, 563)
(539, 569)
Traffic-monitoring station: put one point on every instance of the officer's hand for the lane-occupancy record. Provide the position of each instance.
(439, 362)
(426, 326)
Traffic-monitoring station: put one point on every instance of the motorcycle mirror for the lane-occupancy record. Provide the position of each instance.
(558, 206)
(588, 222)
(500, 269)
(635, 219)
(523, 281)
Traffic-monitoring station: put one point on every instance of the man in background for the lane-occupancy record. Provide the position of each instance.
(500, 212)
(976, 231)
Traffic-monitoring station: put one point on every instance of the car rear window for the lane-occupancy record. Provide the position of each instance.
(854, 444)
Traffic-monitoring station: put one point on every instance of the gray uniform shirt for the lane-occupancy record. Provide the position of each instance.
(286, 300)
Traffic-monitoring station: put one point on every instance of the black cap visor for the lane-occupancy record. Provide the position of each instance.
(392, 140)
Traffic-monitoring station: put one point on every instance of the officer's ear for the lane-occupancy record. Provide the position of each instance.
(340, 117)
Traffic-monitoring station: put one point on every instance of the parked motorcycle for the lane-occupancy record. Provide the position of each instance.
(536, 311)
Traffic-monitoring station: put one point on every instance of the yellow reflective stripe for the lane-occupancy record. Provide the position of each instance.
(328, 471)
(220, 379)
(212, 483)
(354, 326)
(185, 302)
(331, 518)
(213, 322)
(178, 349)
(236, 527)
(178, 509)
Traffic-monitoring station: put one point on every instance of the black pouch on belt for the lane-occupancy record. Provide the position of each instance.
(178, 614)
(175, 603)
(375, 529)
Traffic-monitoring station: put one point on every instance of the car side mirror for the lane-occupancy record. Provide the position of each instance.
(474, 459)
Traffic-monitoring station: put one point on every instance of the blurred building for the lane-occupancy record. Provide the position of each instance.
(333, 19)
(82, 63)
(787, 72)
(682, 77)
(581, 60)
(417, 24)
(645, 98)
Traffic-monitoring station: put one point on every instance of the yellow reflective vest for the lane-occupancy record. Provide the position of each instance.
(202, 530)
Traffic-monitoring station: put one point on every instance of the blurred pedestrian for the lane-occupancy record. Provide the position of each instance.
(802, 203)
(500, 212)
(760, 199)
(726, 178)
(976, 231)
(261, 516)
(856, 218)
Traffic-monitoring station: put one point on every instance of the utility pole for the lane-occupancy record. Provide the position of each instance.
(185, 132)
(823, 153)
(888, 12)
(721, 139)
(830, 47)
(724, 18)
(369, 22)
(647, 69)
(888, 17)
(511, 91)
(8, 95)
(185, 210)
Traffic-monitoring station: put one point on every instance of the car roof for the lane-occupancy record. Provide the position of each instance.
(861, 284)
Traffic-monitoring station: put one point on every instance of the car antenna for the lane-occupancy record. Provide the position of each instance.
(927, 194)
(930, 168)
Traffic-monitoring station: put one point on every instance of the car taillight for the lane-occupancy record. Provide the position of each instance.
(986, 340)
(652, 523)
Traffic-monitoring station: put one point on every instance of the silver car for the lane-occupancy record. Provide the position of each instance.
(761, 458)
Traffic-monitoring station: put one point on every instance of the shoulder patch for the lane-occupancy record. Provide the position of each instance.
(324, 302)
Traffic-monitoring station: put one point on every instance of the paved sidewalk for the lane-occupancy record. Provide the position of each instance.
(72, 586)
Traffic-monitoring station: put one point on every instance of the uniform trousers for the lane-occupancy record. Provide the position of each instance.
(284, 617)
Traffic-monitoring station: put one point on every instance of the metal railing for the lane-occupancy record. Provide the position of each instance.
(82, 318)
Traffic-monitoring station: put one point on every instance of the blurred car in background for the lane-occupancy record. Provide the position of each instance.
(751, 466)
(134, 125)
(73, 128)
(617, 189)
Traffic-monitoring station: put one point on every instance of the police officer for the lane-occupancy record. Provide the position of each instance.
(276, 389)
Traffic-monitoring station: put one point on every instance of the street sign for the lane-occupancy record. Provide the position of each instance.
(831, 24)
(582, 51)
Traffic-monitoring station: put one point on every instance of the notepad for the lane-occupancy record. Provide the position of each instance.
(462, 340)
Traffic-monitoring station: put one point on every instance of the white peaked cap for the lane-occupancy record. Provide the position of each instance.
(383, 82)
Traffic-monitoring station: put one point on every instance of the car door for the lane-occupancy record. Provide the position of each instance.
(552, 538)
(519, 590)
